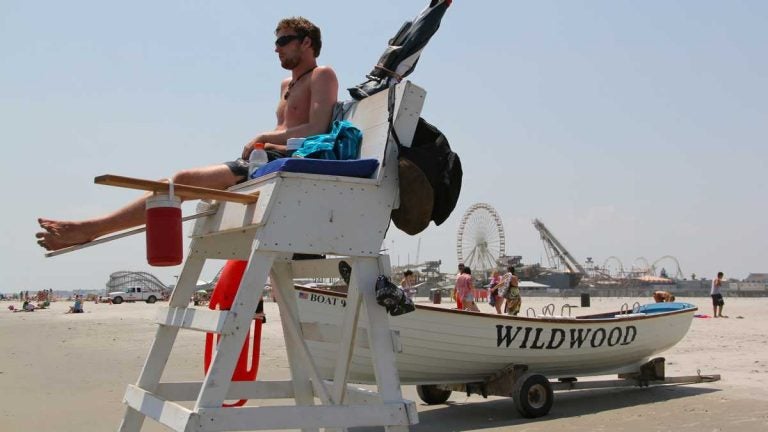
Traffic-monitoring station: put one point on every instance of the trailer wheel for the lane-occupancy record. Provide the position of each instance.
(533, 395)
(432, 395)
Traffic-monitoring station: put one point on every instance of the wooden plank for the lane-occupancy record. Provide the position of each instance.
(193, 318)
(188, 391)
(317, 268)
(170, 414)
(183, 191)
(282, 285)
(348, 336)
(601, 384)
(302, 417)
(364, 273)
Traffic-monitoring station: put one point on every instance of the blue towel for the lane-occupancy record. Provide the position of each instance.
(343, 143)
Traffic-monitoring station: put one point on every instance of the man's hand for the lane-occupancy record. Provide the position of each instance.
(248, 149)
(267, 146)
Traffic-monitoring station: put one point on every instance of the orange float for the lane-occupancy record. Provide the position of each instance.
(222, 298)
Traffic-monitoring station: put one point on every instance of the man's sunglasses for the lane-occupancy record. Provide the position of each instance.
(285, 40)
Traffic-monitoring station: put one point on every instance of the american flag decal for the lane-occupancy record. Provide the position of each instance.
(303, 295)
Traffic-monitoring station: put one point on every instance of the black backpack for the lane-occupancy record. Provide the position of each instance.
(432, 155)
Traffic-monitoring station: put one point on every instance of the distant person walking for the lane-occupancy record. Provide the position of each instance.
(495, 299)
(465, 289)
(717, 296)
(511, 286)
(456, 297)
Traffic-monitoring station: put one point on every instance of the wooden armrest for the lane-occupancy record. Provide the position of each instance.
(183, 191)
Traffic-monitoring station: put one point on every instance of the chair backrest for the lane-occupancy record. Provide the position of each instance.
(348, 205)
(371, 116)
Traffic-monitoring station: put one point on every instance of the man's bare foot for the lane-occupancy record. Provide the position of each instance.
(58, 235)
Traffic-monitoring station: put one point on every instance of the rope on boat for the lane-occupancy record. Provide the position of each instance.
(563, 308)
(548, 310)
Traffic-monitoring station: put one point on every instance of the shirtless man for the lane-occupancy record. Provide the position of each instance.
(305, 108)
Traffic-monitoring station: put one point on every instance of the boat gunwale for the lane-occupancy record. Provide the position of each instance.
(577, 319)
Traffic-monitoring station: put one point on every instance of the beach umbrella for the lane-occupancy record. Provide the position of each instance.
(400, 57)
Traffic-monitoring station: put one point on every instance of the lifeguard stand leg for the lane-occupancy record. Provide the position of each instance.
(348, 336)
(380, 338)
(282, 280)
(164, 338)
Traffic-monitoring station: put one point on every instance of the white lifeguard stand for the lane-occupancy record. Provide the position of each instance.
(295, 213)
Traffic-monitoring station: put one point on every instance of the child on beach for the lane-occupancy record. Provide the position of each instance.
(717, 296)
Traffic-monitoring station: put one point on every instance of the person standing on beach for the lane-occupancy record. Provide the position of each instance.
(495, 299)
(407, 284)
(717, 296)
(456, 297)
(465, 290)
(305, 108)
(512, 292)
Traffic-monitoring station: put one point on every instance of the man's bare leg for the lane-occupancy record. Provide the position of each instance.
(61, 234)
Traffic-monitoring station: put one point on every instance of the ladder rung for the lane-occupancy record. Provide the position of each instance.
(269, 389)
(193, 318)
(170, 414)
(302, 417)
(189, 391)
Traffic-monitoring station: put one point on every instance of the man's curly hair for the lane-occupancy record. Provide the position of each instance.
(303, 27)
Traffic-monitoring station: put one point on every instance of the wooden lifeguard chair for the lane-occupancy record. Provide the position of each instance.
(345, 217)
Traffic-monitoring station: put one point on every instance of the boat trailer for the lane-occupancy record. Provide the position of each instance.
(533, 393)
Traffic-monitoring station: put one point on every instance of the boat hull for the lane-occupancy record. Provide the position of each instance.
(436, 345)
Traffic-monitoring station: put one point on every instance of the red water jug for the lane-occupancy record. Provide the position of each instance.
(164, 244)
(222, 298)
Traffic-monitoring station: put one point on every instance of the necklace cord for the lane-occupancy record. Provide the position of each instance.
(293, 82)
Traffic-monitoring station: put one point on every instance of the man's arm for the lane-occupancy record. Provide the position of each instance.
(324, 88)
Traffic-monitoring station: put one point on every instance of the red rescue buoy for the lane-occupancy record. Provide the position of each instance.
(222, 298)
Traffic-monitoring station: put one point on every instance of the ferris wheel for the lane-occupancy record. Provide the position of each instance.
(480, 240)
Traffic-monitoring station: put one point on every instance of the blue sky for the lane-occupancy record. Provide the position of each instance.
(632, 129)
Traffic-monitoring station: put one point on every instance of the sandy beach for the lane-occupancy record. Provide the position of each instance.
(65, 372)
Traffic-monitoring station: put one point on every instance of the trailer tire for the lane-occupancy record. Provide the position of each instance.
(117, 300)
(151, 299)
(533, 395)
(431, 395)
